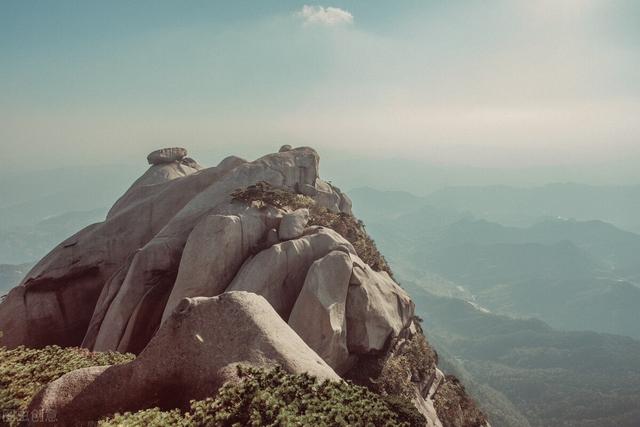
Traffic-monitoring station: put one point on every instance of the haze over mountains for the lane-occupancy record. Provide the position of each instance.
(574, 274)
(526, 373)
(474, 274)
(566, 254)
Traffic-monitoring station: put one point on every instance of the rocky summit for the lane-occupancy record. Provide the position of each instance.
(197, 270)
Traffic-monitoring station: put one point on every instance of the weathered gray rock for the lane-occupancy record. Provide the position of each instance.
(377, 308)
(284, 148)
(293, 224)
(161, 255)
(13, 317)
(179, 232)
(146, 232)
(214, 252)
(318, 315)
(60, 394)
(101, 287)
(146, 184)
(192, 355)
(166, 155)
(278, 273)
(79, 267)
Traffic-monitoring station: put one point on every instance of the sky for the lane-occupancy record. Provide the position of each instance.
(501, 84)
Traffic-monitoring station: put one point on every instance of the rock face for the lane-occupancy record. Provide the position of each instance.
(377, 308)
(214, 252)
(87, 290)
(319, 313)
(195, 279)
(186, 359)
(278, 273)
(293, 224)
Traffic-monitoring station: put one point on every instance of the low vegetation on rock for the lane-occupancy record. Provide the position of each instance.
(274, 397)
(261, 397)
(263, 194)
(452, 399)
(396, 371)
(24, 371)
(412, 362)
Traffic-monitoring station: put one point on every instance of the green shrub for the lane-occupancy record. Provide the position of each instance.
(24, 371)
(452, 403)
(405, 410)
(263, 194)
(154, 417)
(412, 361)
(273, 397)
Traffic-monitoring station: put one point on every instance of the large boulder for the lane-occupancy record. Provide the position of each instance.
(377, 309)
(278, 273)
(193, 354)
(319, 313)
(214, 252)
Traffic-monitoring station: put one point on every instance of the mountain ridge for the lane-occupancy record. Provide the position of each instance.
(267, 244)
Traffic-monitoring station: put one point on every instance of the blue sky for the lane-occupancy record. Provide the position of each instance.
(488, 83)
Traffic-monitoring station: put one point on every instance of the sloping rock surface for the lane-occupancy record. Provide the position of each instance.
(319, 313)
(89, 288)
(186, 359)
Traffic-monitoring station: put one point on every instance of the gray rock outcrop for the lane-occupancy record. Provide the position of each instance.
(90, 287)
(319, 313)
(193, 354)
(195, 279)
(377, 308)
(293, 224)
(278, 273)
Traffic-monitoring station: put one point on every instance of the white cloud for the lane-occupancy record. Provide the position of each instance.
(320, 15)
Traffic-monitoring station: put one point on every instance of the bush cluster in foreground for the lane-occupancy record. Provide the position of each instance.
(274, 398)
(261, 397)
(24, 371)
(452, 399)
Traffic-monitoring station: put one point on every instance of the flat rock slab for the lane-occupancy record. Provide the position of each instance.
(166, 155)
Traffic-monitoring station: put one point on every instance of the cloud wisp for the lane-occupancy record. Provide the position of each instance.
(327, 16)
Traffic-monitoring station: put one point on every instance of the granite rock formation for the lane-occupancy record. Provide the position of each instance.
(195, 279)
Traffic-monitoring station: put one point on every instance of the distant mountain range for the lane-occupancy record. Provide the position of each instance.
(30, 197)
(618, 205)
(26, 244)
(526, 373)
(10, 276)
(574, 274)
